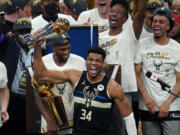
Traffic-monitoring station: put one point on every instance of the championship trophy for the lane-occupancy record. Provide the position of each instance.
(53, 103)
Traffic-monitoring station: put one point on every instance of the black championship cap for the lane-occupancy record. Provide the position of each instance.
(58, 41)
(162, 11)
(153, 4)
(22, 23)
(11, 6)
(76, 6)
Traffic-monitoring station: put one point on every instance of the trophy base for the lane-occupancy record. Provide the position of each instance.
(70, 125)
(55, 107)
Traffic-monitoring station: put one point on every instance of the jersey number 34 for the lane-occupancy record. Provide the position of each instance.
(86, 115)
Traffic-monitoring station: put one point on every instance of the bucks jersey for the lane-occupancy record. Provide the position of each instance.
(92, 107)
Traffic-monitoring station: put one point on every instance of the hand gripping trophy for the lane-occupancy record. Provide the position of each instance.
(53, 103)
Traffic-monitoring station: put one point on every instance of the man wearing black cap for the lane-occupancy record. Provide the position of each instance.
(158, 58)
(16, 57)
(60, 60)
(13, 9)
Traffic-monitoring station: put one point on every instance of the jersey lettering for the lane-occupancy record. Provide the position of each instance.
(86, 115)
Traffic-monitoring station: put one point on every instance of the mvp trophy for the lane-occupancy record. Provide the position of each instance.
(53, 103)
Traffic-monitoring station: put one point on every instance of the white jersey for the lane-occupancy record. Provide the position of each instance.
(65, 90)
(145, 34)
(162, 60)
(120, 50)
(94, 18)
(3, 76)
(39, 22)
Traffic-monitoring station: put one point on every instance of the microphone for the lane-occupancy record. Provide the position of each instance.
(154, 77)
(164, 85)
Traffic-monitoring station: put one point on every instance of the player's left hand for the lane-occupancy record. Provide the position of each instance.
(163, 110)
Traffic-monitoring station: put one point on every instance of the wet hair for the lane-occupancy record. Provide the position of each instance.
(123, 3)
(97, 50)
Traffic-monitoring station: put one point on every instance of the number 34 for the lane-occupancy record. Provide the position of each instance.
(86, 115)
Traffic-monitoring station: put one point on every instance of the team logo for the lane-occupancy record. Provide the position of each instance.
(157, 64)
(100, 87)
(83, 83)
(61, 88)
(89, 94)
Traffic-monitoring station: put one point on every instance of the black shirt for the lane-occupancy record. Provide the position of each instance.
(92, 108)
(6, 27)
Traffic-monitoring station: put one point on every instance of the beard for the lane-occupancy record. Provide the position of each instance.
(156, 36)
(62, 59)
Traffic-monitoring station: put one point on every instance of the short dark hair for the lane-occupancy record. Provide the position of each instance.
(98, 50)
(123, 3)
(162, 11)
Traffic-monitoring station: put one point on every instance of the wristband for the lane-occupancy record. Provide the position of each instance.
(130, 124)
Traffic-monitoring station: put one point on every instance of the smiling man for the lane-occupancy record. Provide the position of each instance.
(98, 15)
(151, 6)
(94, 94)
(120, 42)
(159, 55)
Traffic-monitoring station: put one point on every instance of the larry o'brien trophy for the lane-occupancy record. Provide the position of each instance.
(53, 103)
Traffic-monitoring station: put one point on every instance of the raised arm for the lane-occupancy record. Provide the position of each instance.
(43, 75)
(138, 20)
(116, 92)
